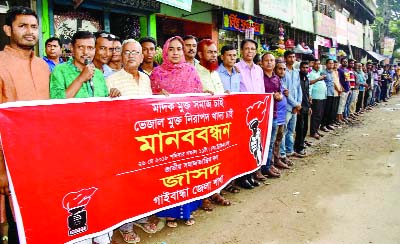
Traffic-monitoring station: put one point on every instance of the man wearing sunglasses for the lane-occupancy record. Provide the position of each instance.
(78, 77)
(104, 52)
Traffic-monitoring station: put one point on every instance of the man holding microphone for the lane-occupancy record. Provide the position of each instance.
(78, 78)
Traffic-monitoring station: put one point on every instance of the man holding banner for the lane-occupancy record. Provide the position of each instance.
(78, 78)
(22, 77)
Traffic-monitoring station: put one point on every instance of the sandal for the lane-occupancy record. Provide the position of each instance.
(171, 223)
(147, 227)
(130, 236)
(220, 200)
(190, 222)
(207, 205)
(231, 188)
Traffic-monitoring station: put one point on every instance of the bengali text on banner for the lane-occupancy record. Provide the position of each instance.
(80, 168)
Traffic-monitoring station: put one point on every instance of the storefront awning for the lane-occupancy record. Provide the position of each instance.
(376, 56)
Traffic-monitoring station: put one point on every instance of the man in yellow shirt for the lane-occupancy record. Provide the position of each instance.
(129, 80)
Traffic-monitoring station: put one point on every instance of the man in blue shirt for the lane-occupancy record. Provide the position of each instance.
(318, 94)
(328, 117)
(362, 80)
(291, 82)
(229, 74)
(53, 52)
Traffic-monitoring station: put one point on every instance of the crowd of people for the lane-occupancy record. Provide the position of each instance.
(312, 99)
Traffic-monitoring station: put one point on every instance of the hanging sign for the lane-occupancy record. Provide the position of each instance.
(238, 22)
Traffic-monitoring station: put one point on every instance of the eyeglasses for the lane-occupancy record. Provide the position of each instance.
(116, 49)
(134, 53)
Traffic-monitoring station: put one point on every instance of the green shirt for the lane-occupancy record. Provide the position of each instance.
(64, 74)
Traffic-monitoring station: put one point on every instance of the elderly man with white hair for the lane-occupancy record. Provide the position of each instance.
(129, 80)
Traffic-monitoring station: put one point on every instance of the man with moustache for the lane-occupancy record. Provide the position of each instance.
(272, 83)
(207, 70)
(230, 77)
(229, 74)
(23, 77)
(252, 81)
(104, 52)
(132, 82)
(129, 80)
(77, 79)
(211, 82)
(190, 49)
(53, 52)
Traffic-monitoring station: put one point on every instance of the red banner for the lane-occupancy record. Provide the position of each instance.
(80, 168)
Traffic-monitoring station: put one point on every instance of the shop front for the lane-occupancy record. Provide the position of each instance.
(170, 26)
(195, 19)
(234, 27)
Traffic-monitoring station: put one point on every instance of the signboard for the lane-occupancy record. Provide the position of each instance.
(84, 168)
(303, 21)
(388, 46)
(182, 4)
(355, 34)
(332, 53)
(324, 25)
(238, 22)
(341, 28)
(322, 41)
(242, 6)
(278, 9)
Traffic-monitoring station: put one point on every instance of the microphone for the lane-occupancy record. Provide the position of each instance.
(87, 61)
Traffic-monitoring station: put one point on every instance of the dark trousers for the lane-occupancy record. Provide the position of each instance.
(12, 226)
(366, 97)
(301, 131)
(360, 101)
(317, 114)
(384, 88)
(335, 107)
(327, 118)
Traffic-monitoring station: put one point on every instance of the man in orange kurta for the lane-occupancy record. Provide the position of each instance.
(22, 77)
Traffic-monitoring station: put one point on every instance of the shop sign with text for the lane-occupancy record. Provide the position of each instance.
(238, 22)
